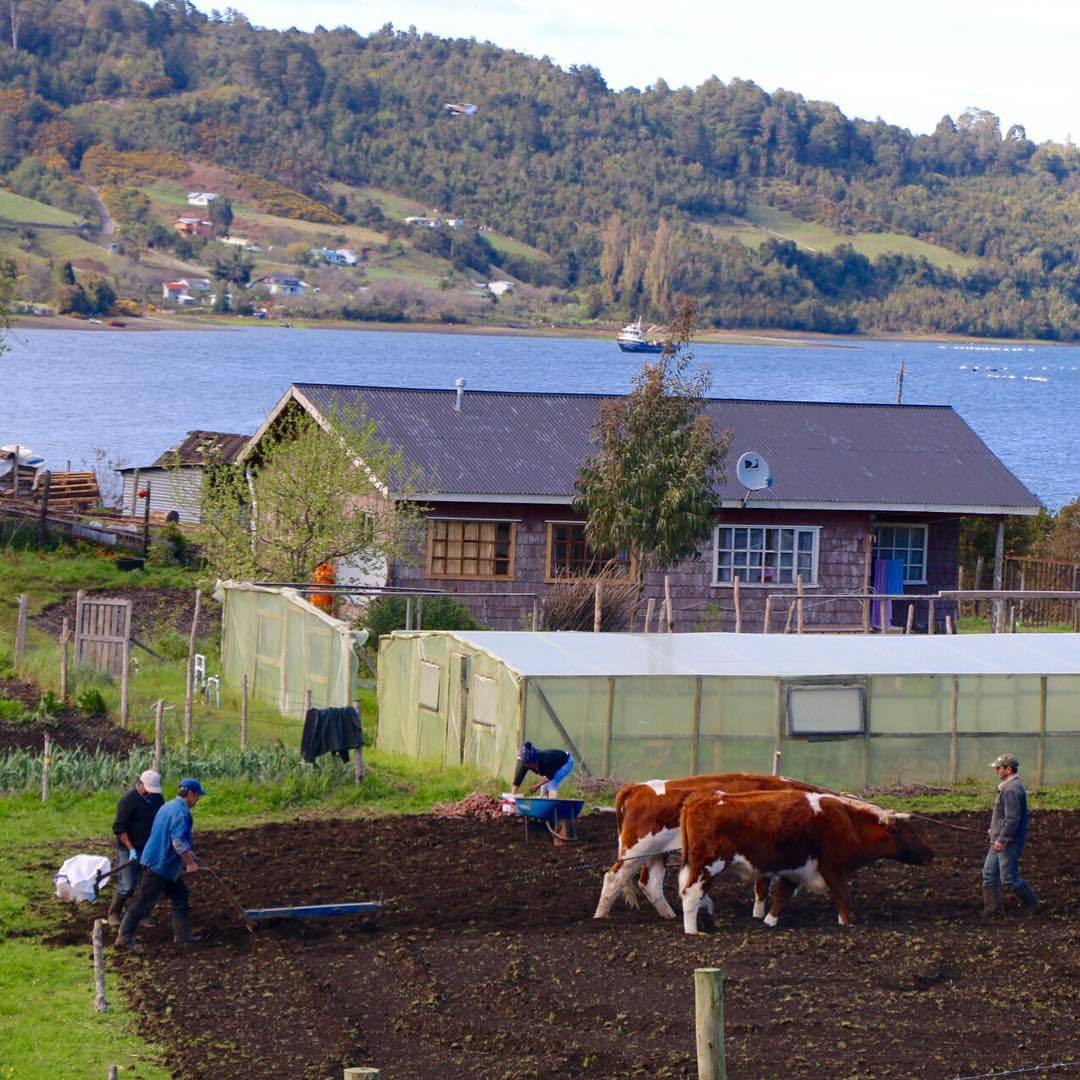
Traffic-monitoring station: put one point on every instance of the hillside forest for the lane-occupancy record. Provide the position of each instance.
(769, 210)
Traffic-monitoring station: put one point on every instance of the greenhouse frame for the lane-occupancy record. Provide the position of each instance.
(843, 710)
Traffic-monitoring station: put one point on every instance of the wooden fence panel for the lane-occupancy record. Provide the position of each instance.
(102, 633)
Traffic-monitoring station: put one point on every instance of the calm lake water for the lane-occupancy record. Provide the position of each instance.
(66, 393)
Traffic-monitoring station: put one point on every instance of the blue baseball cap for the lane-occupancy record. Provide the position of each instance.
(192, 785)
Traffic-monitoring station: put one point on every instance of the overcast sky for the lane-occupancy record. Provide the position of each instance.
(909, 63)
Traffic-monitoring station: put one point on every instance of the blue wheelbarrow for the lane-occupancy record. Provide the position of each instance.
(554, 813)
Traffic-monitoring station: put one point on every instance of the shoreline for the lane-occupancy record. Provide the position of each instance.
(788, 338)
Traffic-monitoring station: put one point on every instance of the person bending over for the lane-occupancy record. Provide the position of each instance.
(552, 766)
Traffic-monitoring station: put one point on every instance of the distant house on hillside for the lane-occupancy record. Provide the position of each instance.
(201, 198)
(424, 222)
(175, 479)
(862, 496)
(335, 257)
(240, 242)
(177, 292)
(193, 226)
(498, 288)
(279, 285)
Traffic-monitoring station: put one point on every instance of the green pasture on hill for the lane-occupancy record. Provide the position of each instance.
(763, 221)
(14, 208)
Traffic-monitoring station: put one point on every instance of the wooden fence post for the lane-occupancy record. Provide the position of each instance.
(125, 666)
(46, 761)
(146, 523)
(667, 604)
(649, 607)
(598, 606)
(738, 605)
(20, 631)
(189, 679)
(42, 519)
(243, 712)
(358, 760)
(1040, 761)
(159, 732)
(65, 636)
(98, 939)
(768, 614)
(799, 612)
(709, 1023)
(535, 614)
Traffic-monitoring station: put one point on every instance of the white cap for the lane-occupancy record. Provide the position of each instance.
(151, 780)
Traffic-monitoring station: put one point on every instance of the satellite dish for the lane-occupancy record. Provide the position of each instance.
(752, 471)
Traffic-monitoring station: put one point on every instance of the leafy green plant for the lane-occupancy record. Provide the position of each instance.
(170, 645)
(91, 701)
(438, 613)
(11, 711)
(49, 705)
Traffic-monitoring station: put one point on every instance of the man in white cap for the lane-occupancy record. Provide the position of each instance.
(134, 817)
(165, 859)
(1008, 833)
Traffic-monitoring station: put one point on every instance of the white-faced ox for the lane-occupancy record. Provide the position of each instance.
(647, 816)
(799, 838)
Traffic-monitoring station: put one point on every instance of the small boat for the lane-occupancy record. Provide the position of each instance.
(632, 338)
(27, 459)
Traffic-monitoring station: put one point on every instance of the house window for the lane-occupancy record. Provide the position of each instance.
(470, 549)
(766, 554)
(569, 553)
(907, 542)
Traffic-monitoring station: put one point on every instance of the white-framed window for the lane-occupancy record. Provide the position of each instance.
(430, 682)
(765, 554)
(907, 542)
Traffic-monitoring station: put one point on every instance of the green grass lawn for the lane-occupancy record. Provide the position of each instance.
(763, 221)
(15, 208)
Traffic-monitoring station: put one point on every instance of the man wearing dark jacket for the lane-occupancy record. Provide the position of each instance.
(134, 817)
(1008, 834)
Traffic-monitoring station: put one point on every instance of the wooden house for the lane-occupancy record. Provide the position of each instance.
(174, 482)
(861, 494)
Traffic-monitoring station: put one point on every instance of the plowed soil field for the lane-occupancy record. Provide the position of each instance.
(486, 962)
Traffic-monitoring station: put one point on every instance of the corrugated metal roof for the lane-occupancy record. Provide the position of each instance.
(530, 446)
(777, 655)
(223, 447)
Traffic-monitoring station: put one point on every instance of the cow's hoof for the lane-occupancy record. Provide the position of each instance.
(770, 920)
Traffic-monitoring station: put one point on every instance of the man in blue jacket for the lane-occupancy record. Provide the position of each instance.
(1008, 834)
(166, 857)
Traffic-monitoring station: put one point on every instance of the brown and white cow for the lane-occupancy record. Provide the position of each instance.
(647, 816)
(800, 838)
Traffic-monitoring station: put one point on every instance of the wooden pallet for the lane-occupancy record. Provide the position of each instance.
(71, 491)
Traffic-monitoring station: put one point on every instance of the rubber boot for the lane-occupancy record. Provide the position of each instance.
(182, 934)
(125, 936)
(116, 909)
(991, 901)
(1026, 895)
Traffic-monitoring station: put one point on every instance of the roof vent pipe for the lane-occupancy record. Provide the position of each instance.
(460, 384)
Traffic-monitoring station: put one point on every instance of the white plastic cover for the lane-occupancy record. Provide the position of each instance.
(78, 878)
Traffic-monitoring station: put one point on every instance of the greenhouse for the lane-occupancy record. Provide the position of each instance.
(286, 647)
(841, 710)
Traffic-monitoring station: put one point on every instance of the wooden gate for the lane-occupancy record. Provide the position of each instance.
(1044, 575)
(102, 633)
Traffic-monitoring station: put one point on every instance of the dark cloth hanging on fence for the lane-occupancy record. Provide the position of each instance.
(330, 731)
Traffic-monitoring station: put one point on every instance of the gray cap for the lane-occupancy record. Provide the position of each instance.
(151, 780)
(1005, 759)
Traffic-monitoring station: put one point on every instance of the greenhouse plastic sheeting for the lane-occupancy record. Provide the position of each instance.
(932, 709)
(286, 647)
